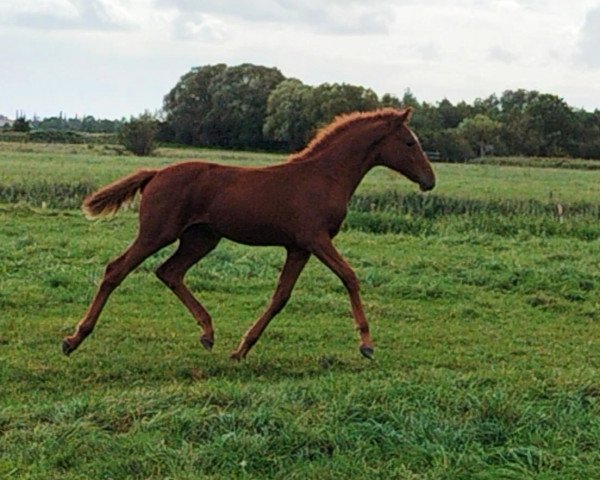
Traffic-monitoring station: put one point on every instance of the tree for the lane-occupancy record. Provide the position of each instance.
(250, 106)
(489, 106)
(480, 131)
(217, 105)
(516, 133)
(239, 105)
(288, 118)
(296, 111)
(389, 100)
(138, 134)
(452, 145)
(427, 123)
(450, 116)
(21, 124)
(189, 102)
(330, 100)
(588, 136)
(554, 121)
(409, 100)
(54, 123)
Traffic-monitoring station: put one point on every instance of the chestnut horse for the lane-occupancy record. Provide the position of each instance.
(299, 204)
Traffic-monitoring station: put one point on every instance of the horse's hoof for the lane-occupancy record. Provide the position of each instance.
(367, 352)
(67, 348)
(235, 356)
(206, 342)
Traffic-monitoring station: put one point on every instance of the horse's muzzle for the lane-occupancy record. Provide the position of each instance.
(426, 186)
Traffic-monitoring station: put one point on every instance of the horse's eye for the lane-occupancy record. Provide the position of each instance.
(410, 143)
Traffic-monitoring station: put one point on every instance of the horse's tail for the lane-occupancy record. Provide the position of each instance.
(109, 198)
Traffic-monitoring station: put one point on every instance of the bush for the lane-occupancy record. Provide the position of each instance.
(21, 125)
(59, 136)
(16, 137)
(453, 146)
(53, 195)
(56, 136)
(138, 135)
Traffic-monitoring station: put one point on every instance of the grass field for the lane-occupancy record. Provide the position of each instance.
(484, 305)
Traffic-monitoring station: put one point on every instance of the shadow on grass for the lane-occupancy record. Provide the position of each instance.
(92, 371)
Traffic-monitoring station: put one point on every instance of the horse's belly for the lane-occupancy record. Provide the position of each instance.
(254, 234)
(256, 213)
(250, 225)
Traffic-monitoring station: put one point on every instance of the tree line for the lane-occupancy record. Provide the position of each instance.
(61, 123)
(256, 107)
(86, 124)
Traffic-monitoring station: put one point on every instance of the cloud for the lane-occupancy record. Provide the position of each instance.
(460, 50)
(65, 15)
(428, 52)
(588, 48)
(200, 26)
(333, 17)
(500, 54)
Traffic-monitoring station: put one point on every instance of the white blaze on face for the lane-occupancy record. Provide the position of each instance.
(414, 136)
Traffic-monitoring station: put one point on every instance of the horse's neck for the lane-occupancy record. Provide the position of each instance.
(347, 160)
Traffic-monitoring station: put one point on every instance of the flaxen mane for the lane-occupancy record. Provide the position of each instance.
(340, 124)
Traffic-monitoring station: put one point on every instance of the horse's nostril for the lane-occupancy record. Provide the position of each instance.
(425, 187)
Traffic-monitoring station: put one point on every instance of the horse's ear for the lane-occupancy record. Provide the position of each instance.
(407, 114)
(401, 118)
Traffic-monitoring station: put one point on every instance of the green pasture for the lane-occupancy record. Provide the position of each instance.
(484, 306)
(99, 164)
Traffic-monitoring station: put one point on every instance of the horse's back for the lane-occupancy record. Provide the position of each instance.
(275, 205)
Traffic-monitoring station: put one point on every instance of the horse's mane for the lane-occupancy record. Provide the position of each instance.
(342, 123)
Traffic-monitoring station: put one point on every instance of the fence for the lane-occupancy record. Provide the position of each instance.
(433, 155)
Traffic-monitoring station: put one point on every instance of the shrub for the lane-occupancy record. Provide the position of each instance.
(21, 125)
(138, 134)
(59, 136)
(56, 136)
(16, 137)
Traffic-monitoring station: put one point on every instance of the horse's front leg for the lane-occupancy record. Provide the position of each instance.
(294, 264)
(324, 250)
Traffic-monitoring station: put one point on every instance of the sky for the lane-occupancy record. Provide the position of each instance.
(117, 58)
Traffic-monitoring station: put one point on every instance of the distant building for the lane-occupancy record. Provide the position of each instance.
(5, 121)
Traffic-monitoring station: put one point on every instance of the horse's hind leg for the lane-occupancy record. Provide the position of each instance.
(194, 243)
(294, 264)
(114, 274)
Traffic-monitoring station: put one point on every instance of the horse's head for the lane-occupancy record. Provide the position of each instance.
(400, 150)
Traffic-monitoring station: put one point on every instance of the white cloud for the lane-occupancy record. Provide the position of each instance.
(501, 54)
(336, 17)
(589, 41)
(201, 27)
(429, 52)
(118, 57)
(63, 15)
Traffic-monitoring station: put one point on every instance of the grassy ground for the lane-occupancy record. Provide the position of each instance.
(487, 349)
(540, 162)
(97, 165)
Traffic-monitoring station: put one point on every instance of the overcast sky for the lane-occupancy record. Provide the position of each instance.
(115, 58)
